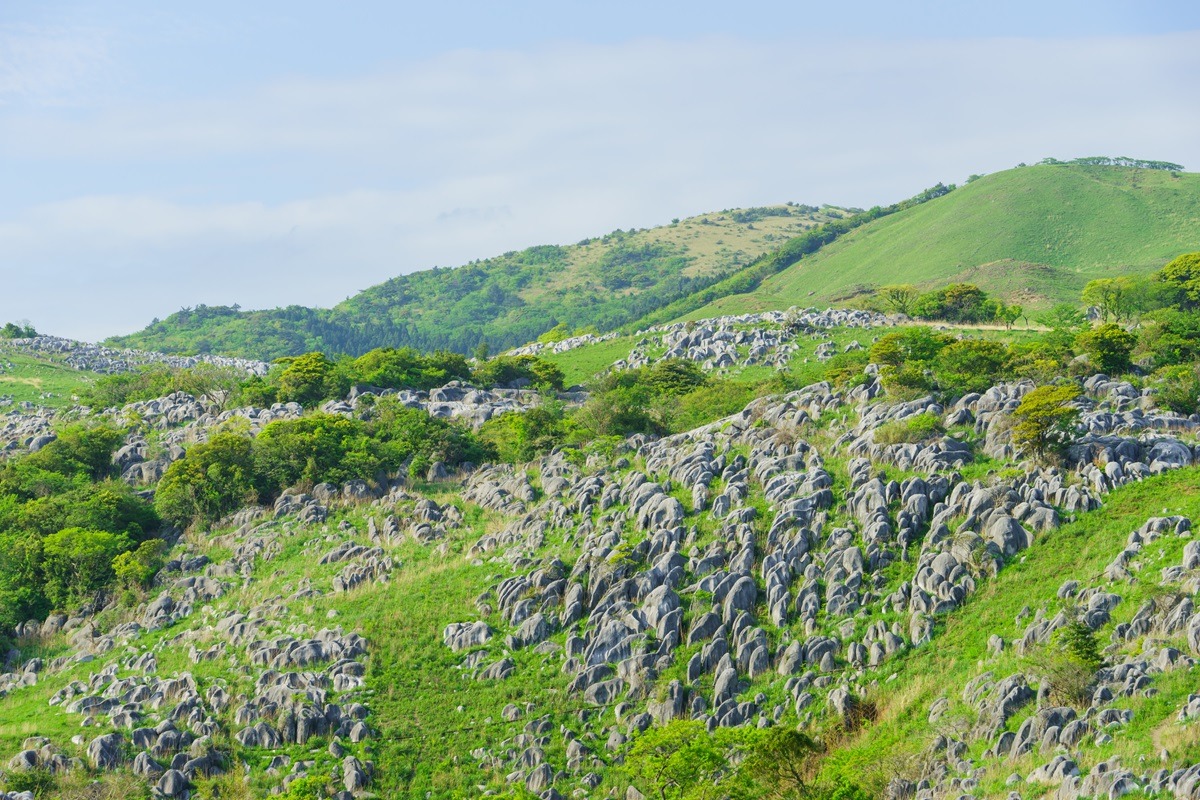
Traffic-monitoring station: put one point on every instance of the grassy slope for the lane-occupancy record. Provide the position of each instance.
(1080, 551)
(41, 380)
(506, 300)
(1035, 234)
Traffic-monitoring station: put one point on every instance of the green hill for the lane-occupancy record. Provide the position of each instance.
(1034, 235)
(603, 282)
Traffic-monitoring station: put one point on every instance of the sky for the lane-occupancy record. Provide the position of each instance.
(161, 155)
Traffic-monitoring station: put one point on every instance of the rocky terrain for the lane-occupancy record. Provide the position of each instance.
(779, 567)
(106, 361)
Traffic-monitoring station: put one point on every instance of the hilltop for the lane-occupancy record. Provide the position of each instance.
(1033, 235)
(600, 283)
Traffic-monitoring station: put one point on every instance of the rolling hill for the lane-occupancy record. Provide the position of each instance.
(603, 282)
(1034, 235)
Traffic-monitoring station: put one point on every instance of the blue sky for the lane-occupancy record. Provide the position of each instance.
(159, 155)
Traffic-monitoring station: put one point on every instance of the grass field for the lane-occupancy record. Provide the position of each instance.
(40, 380)
(1034, 235)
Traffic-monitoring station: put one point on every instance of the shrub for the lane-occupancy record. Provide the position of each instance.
(910, 344)
(706, 404)
(78, 563)
(1045, 417)
(520, 437)
(1178, 388)
(970, 365)
(1108, 346)
(506, 370)
(312, 449)
(213, 479)
(915, 429)
(1069, 664)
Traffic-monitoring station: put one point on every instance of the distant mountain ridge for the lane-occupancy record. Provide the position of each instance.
(600, 283)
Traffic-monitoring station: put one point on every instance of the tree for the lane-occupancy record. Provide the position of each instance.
(1069, 663)
(679, 761)
(1045, 417)
(213, 479)
(782, 761)
(1108, 346)
(1008, 314)
(970, 365)
(556, 334)
(308, 379)
(1110, 295)
(899, 297)
(78, 563)
(1182, 274)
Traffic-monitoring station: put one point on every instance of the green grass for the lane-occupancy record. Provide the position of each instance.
(41, 380)
(1034, 235)
(1079, 550)
(584, 363)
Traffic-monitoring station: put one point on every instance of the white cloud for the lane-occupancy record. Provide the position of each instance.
(311, 189)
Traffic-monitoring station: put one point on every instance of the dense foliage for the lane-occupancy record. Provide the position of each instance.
(64, 522)
(232, 470)
(17, 330)
(314, 377)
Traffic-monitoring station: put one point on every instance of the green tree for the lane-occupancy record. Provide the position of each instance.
(674, 376)
(213, 479)
(782, 762)
(520, 437)
(1045, 417)
(77, 563)
(909, 345)
(134, 569)
(1109, 296)
(558, 333)
(1108, 346)
(899, 297)
(1182, 275)
(679, 761)
(970, 365)
(315, 448)
(309, 379)
(1069, 664)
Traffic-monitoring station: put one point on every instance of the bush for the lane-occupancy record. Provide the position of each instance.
(1108, 346)
(78, 563)
(1069, 664)
(210, 481)
(706, 404)
(1045, 417)
(520, 437)
(310, 378)
(506, 370)
(915, 429)
(312, 449)
(406, 368)
(1178, 388)
(958, 302)
(970, 365)
(909, 345)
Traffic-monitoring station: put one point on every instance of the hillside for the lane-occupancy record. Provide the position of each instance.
(634, 615)
(603, 282)
(1034, 235)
